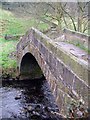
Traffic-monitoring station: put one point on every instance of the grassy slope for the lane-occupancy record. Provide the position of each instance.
(13, 26)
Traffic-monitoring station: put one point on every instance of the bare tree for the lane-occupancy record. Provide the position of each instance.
(64, 14)
(83, 20)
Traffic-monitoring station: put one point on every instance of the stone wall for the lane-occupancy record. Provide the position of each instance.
(66, 74)
(77, 38)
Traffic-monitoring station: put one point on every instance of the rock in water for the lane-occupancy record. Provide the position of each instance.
(18, 97)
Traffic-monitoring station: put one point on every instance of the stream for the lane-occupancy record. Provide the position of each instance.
(28, 99)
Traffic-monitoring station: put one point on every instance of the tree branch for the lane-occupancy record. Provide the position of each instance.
(70, 18)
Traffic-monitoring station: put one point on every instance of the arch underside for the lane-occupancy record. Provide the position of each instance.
(29, 68)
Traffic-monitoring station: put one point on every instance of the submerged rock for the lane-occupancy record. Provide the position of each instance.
(36, 117)
(29, 108)
(18, 97)
(38, 107)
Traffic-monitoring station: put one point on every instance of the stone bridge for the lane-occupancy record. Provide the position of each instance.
(64, 66)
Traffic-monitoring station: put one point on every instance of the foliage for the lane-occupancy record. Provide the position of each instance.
(6, 48)
(68, 15)
(11, 25)
(77, 109)
(59, 13)
(78, 44)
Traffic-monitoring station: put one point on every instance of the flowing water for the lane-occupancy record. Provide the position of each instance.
(30, 99)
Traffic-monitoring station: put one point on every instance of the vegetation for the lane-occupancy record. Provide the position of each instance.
(10, 25)
(70, 15)
(38, 15)
(77, 109)
(81, 46)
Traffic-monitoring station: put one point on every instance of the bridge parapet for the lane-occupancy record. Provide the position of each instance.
(24, 40)
(77, 38)
(71, 61)
(67, 75)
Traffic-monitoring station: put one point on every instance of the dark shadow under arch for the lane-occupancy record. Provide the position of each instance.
(29, 68)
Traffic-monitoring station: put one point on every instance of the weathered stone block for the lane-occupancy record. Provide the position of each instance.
(39, 58)
(81, 88)
(59, 99)
(36, 54)
(55, 93)
(42, 65)
(53, 84)
(46, 69)
(68, 77)
(59, 70)
(67, 100)
(42, 48)
(61, 85)
(77, 86)
(54, 66)
(46, 55)
(35, 41)
(50, 60)
(52, 47)
(41, 37)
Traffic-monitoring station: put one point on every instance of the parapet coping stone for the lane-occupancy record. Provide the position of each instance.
(76, 33)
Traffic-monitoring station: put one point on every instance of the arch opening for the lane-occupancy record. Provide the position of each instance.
(29, 68)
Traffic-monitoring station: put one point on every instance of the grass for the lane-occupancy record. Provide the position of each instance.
(11, 25)
(7, 48)
(81, 46)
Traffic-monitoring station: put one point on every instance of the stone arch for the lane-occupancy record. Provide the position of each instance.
(29, 67)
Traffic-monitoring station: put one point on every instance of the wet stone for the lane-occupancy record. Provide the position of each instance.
(29, 108)
(17, 97)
